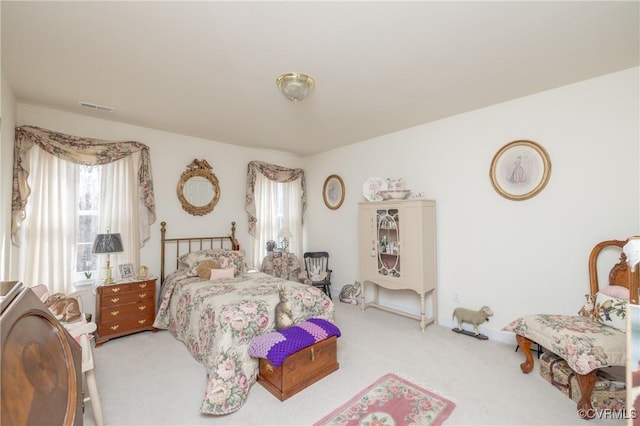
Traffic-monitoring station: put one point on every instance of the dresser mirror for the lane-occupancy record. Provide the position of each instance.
(198, 188)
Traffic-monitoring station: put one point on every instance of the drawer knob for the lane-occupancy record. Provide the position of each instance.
(115, 299)
(143, 285)
(313, 354)
(142, 295)
(142, 321)
(115, 327)
(115, 290)
(142, 308)
(269, 368)
(115, 313)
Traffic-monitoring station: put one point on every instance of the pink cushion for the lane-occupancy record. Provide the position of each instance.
(41, 291)
(616, 291)
(217, 274)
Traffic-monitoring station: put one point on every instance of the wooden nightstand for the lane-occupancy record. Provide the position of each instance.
(124, 308)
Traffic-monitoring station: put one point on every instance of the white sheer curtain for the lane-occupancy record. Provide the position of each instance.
(48, 249)
(278, 205)
(45, 205)
(120, 207)
(48, 234)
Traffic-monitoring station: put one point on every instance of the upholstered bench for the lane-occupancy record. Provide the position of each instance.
(585, 343)
(295, 358)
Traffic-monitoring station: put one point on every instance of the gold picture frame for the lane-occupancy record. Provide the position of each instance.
(198, 189)
(520, 170)
(333, 192)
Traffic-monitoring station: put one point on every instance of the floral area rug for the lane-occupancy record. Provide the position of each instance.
(389, 401)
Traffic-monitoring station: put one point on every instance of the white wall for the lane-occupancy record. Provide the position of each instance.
(519, 257)
(8, 263)
(170, 155)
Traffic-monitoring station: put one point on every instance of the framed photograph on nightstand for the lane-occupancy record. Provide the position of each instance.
(126, 271)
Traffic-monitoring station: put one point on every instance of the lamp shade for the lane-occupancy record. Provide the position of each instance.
(285, 233)
(107, 243)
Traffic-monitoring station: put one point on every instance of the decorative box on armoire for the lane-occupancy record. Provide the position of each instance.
(41, 364)
(397, 246)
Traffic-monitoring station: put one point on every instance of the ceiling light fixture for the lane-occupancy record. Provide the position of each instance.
(295, 86)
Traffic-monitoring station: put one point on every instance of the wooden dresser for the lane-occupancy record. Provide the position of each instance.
(125, 308)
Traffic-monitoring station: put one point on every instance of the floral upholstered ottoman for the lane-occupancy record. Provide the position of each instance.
(584, 344)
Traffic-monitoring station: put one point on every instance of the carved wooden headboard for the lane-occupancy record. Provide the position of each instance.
(620, 274)
(185, 245)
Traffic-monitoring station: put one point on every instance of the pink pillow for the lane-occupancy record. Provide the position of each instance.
(217, 274)
(616, 291)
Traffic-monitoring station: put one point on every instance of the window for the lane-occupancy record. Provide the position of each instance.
(278, 206)
(89, 181)
(275, 200)
(69, 203)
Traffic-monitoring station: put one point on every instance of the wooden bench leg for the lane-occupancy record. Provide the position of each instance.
(525, 345)
(586, 383)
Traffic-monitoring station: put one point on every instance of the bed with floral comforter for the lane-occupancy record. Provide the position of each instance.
(217, 319)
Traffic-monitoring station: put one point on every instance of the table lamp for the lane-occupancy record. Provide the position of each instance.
(285, 235)
(106, 244)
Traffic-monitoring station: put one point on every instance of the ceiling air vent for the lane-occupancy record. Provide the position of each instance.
(96, 107)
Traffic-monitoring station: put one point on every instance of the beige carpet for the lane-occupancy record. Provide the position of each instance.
(151, 379)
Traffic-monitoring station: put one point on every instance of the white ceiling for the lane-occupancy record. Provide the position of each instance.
(208, 69)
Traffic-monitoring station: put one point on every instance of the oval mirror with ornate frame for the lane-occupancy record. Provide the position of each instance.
(198, 188)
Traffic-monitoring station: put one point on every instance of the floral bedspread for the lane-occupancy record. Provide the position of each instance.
(216, 320)
(583, 342)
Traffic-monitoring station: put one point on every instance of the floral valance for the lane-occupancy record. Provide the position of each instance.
(272, 172)
(87, 151)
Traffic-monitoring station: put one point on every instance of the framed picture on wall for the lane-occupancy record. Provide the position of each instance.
(520, 170)
(333, 192)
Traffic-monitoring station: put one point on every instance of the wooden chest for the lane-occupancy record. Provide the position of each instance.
(126, 308)
(299, 370)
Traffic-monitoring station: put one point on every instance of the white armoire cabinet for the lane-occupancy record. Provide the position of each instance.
(397, 247)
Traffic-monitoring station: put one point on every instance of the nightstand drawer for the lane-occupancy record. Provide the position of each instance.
(144, 285)
(126, 298)
(125, 325)
(126, 311)
(115, 288)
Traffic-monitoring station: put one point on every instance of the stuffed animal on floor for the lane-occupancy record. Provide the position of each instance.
(350, 293)
(476, 318)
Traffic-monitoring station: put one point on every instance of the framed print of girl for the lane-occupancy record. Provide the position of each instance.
(520, 170)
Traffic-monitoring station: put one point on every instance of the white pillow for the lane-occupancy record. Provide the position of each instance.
(611, 311)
